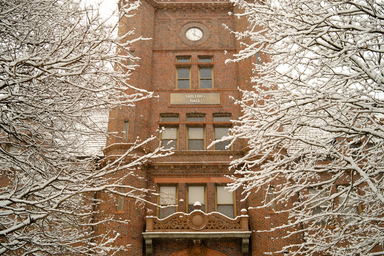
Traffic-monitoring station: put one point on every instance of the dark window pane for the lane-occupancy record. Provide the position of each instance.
(205, 73)
(205, 83)
(196, 144)
(183, 84)
(192, 208)
(317, 210)
(206, 59)
(185, 59)
(222, 145)
(221, 118)
(168, 144)
(169, 119)
(227, 210)
(165, 212)
(221, 132)
(195, 118)
(183, 73)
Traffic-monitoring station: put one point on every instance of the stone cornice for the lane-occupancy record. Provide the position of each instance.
(209, 6)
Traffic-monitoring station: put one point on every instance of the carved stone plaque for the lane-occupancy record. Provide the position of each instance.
(195, 98)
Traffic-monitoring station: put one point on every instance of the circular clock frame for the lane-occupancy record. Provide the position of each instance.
(194, 25)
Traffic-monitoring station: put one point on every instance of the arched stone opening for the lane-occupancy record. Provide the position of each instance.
(197, 250)
(209, 252)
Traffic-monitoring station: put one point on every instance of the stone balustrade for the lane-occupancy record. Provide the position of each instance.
(197, 225)
(197, 220)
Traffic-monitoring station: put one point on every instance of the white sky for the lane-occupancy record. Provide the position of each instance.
(106, 7)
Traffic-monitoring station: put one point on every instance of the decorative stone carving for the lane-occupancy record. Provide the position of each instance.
(197, 249)
(197, 224)
(197, 221)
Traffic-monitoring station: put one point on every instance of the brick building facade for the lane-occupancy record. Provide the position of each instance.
(184, 64)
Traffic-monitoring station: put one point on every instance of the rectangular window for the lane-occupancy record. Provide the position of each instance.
(196, 194)
(205, 72)
(221, 130)
(257, 57)
(219, 133)
(224, 202)
(183, 59)
(183, 72)
(125, 132)
(169, 118)
(132, 61)
(183, 81)
(319, 201)
(205, 59)
(271, 196)
(346, 202)
(167, 199)
(169, 138)
(195, 117)
(206, 77)
(120, 201)
(196, 138)
(222, 118)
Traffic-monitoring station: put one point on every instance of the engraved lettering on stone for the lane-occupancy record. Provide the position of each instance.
(194, 98)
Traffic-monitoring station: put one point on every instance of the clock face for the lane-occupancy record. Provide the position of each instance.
(194, 34)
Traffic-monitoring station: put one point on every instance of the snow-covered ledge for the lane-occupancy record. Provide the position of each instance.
(197, 225)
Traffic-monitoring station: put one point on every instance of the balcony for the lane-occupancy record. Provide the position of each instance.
(197, 225)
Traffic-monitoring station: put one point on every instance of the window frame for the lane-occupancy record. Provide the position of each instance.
(183, 65)
(222, 115)
(183, 57)
(271, 197)
(225, 122)
(159, 199)
(188, 137)
(168, 146)
(257, 57)
(125, 131)
(163, 118)
(223, 142)
(120, 201)
(132, 60)
(319, 208)
(206, 78)
(172, 123)
(195, 115)
(217, 201)
(348, 206)
(183, 79)
(205, 65)
(204, 206)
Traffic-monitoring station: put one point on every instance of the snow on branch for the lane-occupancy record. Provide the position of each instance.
(314, 121)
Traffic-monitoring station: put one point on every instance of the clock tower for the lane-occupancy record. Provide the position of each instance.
(183, 63)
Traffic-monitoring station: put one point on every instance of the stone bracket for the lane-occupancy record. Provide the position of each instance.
(148, 247)
(245, 247)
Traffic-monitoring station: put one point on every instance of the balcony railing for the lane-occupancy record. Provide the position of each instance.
(197, 225)
(197, 220)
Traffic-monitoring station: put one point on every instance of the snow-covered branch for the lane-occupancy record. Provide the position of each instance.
(61, 64)
(314, 121)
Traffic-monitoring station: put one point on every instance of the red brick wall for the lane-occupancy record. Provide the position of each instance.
(163, 22)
